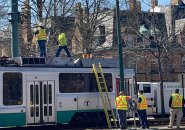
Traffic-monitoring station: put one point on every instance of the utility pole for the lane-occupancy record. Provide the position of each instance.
(15, 18)
(183, 109)
(120, 47)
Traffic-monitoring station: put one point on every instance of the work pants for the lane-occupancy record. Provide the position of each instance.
(143, 118)
(42, 47)
(60, 49)
(122, 119)
(178, 113)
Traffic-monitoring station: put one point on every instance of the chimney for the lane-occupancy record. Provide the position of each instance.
(25, 29)
(135, 5)
(132, 5)
(79, 13)
(138, 5)
(26, 23)
(176, 2)
(154, 3)
(78, 6)
(85, 11)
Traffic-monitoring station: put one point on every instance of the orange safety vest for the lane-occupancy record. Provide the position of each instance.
(121, 103)
(176, 100)
(143, 104)
(41, 35)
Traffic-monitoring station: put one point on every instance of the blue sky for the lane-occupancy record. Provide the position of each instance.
(164, 2)
(146, 3)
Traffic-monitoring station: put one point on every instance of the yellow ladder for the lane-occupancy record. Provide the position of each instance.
(106, 100)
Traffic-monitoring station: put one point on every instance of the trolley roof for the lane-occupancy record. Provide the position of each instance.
(57, 62)
(60, 65)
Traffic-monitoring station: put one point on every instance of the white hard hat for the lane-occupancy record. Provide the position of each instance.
(41, 24)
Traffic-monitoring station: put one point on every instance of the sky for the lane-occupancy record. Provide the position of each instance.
(163, 2)
(146, 3)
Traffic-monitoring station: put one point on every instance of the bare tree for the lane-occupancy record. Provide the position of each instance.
(147, 38)
(91, 17)
(5, 30)
(35, 11)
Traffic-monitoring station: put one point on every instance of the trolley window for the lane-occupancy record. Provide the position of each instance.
(81, 82)
(146, 88)
(12, 89)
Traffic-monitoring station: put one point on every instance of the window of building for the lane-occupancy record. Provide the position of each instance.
(146, 88)
(137, 88)
(12, 89)
(183, 63)
(130, 62)
(154, 67)
(140, 40)
(81, 82)
(102, 37)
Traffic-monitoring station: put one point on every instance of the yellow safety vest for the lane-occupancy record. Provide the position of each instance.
(176, 100)
(41, 35)
(143, 104)
(121, 103)
(62, 40)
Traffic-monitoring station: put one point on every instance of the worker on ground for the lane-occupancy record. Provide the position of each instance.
(122, 106)
(142, 107)
(175, 104)
(41, 39)
(62, 42)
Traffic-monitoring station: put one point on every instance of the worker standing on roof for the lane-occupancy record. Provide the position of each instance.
(175, 104)
(62, 42)
(41, 39)
(122, 106)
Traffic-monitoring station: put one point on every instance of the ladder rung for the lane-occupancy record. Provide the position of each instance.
(111, 116)
(107, 98)
(113, 126)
